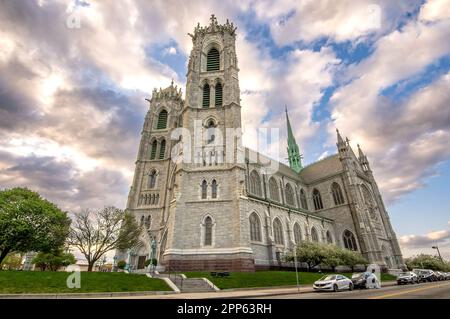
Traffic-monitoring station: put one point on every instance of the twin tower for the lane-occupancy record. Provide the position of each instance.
(190, 207)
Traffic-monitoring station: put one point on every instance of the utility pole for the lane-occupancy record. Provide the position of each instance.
(439, 253)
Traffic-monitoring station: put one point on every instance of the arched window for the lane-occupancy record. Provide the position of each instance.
(162, 149)
(214, 189)
(210, 137)
(278, 232)
(297, 233)
(349, 240)
(206, 92)
(148, 222)
(317, 199)
(255, 227)
(329, 238)
(255, 184)
(290, 195)
(218, 97)
(142, 220)
(314, 235)
(213, 60)
(204, 189)
(337, 194)
(208, 231)
(303, 201)
(273, 190)
(153, 150)
(162, 120)
(151, 179)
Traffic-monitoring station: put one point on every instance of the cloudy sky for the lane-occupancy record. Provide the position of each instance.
(74, 76)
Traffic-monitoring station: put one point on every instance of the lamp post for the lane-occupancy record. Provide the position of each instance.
(295, 263)
(439, 253)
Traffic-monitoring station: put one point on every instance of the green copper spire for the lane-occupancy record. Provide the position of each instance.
(295, 158)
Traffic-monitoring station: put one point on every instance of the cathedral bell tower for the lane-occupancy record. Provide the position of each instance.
(210, 178)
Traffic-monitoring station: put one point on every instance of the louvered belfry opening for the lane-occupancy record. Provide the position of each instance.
(162, 120)
(162, 149)
(153, 150)
(213, 60)
(218, 98)
(206, 90)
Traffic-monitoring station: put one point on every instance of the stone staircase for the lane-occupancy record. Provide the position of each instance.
(188, 284)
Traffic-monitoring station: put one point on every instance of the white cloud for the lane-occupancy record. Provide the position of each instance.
(343, 20)
(403, 138)
(434, 10)
(170, 51)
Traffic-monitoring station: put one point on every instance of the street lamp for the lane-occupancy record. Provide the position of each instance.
(439, 253)
(295, 262)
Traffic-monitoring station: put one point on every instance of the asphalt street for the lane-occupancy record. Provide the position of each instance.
(435, 290)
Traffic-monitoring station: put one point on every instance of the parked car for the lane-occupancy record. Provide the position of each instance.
(425, 275)
(408, 277)
(447, 276)
(333, 283)
(439, 275)
(359, 280)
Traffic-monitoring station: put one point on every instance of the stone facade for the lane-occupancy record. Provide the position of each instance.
(207, 212)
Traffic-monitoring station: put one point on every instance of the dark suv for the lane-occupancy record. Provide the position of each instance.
(425, 275)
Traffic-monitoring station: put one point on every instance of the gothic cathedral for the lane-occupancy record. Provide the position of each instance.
(207, 203)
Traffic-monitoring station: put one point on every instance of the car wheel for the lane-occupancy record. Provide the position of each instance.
(335, 288)
(350, 287)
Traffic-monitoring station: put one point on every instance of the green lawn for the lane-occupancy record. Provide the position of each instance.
(265, 278)
(17, 282)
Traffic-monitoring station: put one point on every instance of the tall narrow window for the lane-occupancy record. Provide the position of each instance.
(303, 201)
(273, 190)
(317, 199)
(153, 150)
(213, 60)
(214, 189)
(314, 235)
(208, 231)
(206, 93)
(290, 195)
(297, 233)
(148, 222)
(329, 238)
(142, 220)
(151, 179)
(255, 227)
(162, 120)
(204, 189)
(255, 184)
(162, 149)
(218, 97)
(349, 240)
(278, 232)
(337, 194)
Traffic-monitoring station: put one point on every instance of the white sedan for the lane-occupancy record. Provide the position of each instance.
(333, 283)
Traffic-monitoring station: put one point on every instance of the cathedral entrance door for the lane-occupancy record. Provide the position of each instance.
(141, 262)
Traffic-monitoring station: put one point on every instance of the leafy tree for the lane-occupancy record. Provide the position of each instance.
(54, 260)
(312, 254)
(30, 223)
(427, 262)
(352, 258)
(95, 233)
(334, 256)
(12, 261)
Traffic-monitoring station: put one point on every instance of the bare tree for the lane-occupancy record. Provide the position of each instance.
(95, 232)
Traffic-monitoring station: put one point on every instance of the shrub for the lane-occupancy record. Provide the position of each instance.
(121, 264)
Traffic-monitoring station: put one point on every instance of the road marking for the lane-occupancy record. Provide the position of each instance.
(408, 291)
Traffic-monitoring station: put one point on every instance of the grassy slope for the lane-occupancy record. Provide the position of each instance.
(55, 282)
(265, 278)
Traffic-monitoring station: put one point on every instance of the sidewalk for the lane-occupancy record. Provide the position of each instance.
(247, 293)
